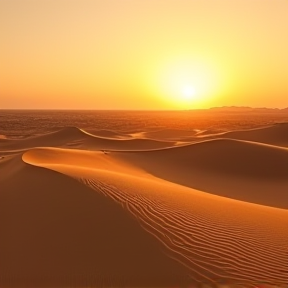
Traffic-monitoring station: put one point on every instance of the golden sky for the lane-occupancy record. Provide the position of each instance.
(143, 54)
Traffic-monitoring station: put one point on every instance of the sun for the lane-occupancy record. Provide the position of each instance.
(185, 82)
(188, 92)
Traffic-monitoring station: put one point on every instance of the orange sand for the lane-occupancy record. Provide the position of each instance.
(108, 209)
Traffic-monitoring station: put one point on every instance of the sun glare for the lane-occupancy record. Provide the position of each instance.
(185, 83)
(188, 92)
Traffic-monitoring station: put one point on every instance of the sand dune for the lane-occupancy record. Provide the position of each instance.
(57, 232)
(225, 167)
(213, 239)
(118, 216)
(110, 134)
(168, 134)
(275, 135)
(209, 132)
(76, 138)
(56, 138)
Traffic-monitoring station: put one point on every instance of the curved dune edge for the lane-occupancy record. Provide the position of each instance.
(168, 134)
(110, 134)
(276, 134)
(217, 239)
(247, 171)
(73, 137)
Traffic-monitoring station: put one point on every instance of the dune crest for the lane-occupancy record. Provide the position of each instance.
(168, 134)
(73, 137)
(236, 169)
(110, 134)
(276, 134)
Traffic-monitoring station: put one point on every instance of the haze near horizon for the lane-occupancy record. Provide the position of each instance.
(143, 54)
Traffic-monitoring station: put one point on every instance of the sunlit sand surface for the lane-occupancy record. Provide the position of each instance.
(162, 207)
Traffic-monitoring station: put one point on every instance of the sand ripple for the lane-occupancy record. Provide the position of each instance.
(211, 251)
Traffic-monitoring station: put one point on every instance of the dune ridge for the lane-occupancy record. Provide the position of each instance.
(168, 134)
(109, 134)
(276, 134)
(226, 167)
(73, 137)
(200, 237)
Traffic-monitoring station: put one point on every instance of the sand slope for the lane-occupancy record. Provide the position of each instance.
(241, 170)
(214, 238)
(56, 231)
(275, 135)
(168, 134)
(110, 134)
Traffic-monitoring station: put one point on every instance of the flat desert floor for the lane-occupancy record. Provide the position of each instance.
(143, 199)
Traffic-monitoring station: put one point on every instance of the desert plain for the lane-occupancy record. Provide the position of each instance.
(144, 199)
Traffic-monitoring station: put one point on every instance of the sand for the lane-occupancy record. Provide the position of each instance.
(109, 209)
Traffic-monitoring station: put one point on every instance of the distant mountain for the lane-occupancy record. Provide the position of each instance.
(245, 109)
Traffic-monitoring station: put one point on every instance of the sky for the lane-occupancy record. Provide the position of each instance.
(143, 54)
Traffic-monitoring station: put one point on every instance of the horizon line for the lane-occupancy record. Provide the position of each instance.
(156, 110)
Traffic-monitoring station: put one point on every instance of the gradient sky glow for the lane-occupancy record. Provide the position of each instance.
(143, 54)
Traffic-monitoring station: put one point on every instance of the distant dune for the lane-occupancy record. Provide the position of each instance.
(110, 134)
(76, 138)
(85, 210)
(275, 135)
(168, 134)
